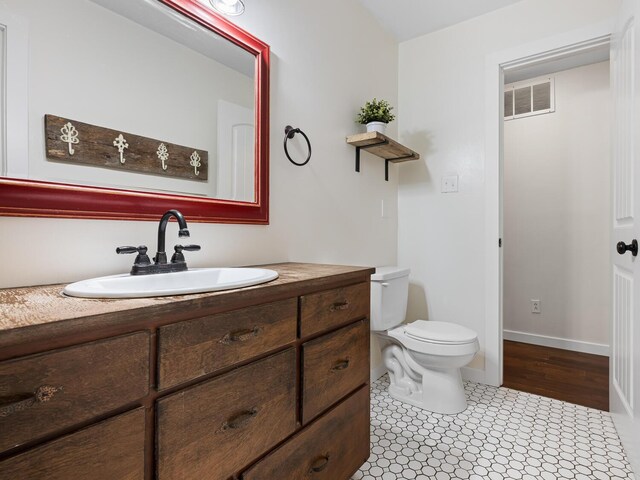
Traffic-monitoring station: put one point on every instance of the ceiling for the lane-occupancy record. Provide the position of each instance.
(408, 19)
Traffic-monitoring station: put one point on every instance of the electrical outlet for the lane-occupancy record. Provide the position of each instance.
(535, 306)
(449, 184)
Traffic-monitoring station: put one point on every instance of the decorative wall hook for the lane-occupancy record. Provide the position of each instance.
(102, 147)
(121, 144)
(163, 155)
(289, 133)
(69, 136)
(195, 162)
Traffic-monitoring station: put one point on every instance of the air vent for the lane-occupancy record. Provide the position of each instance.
(531, 97)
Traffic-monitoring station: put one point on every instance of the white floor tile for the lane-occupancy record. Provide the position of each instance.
(504, 434)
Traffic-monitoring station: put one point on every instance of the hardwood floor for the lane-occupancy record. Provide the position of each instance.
(575, 377)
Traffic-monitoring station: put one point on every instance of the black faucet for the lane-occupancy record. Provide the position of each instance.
(161, 255)
(143, 266)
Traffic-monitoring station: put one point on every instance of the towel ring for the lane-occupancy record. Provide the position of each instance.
(290, 132)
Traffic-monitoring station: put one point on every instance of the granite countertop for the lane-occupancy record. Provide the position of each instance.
(29, 307)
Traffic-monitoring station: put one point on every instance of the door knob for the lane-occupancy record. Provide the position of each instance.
(632, 247)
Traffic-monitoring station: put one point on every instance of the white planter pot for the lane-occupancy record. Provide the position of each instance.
(376, 127)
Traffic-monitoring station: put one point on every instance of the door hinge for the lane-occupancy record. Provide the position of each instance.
(499, 243)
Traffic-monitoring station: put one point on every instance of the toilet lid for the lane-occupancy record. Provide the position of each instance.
(440, 332)
(389, 273)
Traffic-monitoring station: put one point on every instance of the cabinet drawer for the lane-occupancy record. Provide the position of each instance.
(215, 429)
(197, 347)
(43, 393)
(331, 448)
(326, 310)
(113, 449)
(334, 365)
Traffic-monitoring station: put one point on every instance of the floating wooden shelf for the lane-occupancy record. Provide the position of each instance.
(382, 146)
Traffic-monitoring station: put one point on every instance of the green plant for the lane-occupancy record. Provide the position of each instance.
(375, 111)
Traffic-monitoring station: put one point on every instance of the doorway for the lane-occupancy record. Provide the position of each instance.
(556, 205)
(518, 59)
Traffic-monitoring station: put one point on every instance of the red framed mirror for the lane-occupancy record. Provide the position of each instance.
(44, 198)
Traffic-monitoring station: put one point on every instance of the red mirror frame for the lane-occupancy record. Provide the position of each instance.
(34, 198)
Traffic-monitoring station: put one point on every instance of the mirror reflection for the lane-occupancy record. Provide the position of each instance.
(138, 69)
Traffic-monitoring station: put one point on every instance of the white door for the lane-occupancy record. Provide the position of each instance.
(236, 159)
(624, 378)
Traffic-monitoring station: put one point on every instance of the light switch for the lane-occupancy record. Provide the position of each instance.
(449, 184)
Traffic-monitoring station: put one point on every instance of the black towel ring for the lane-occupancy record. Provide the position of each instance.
(290, 132)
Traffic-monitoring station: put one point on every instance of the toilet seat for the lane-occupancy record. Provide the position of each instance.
(463, 341)
(443, 333)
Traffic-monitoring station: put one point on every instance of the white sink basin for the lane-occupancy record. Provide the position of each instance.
(196, 280)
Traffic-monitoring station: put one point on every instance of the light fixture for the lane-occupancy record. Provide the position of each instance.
(228, 7)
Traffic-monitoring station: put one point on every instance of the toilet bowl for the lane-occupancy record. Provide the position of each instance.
(423, 357)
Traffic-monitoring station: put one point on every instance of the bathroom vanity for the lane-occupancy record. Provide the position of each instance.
(259, 383)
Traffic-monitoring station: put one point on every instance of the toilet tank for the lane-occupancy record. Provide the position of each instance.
(389, 295)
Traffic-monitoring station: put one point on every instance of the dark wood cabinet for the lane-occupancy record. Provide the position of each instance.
(214, 429)
(334, 365)
(112, 449)
(331, 448)
(190, 349)
(40, 394)
(261, 383)
(326, 310)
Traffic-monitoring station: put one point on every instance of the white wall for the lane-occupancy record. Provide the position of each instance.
(442, 114)
(324, 66)
(557, 212)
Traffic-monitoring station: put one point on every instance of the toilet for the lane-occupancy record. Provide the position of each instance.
(423, 358)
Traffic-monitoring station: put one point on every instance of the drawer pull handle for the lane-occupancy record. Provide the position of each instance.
(339, 306)
(341, 365)
(239, 420)
(240, 335)
(24, 401)
(319, 464)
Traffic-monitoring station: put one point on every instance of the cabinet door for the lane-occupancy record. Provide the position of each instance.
(333, 308)
(197, 347)
(331, 448)
(333, 366)
(109, 450)
(213, 430)
(43, 393)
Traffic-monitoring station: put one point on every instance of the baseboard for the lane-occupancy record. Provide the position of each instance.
(555, 342)
(473, 375)
(377, 372)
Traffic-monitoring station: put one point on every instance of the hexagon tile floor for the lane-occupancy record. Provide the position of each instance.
(504, 434)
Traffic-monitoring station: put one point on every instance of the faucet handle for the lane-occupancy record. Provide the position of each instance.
(121, 250)
(141, 259)
(178, 256)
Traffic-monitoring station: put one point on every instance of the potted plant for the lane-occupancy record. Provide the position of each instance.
(375, 115)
